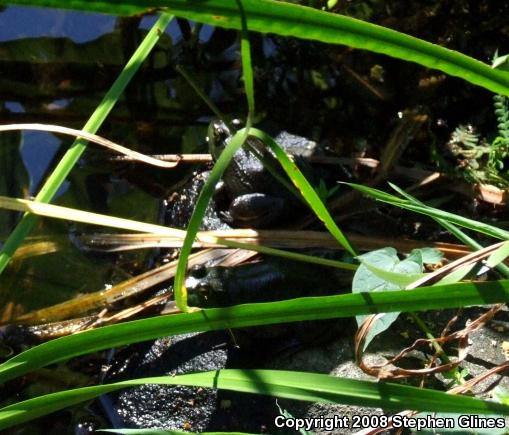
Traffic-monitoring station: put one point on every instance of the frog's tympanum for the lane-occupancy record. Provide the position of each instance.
(248, 193)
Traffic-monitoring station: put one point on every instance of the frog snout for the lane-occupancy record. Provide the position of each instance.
(204, 286)
(197, 291)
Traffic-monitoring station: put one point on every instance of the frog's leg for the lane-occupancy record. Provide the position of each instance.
(255, 210)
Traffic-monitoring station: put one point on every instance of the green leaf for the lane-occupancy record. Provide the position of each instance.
(383, 270)
(429, 255)
(498, 256)
(402, 277)
(291, 385)
(288, 19)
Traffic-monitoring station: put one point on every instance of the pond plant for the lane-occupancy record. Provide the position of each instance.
(401, 285)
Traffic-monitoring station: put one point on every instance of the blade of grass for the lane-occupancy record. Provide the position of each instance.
(305, 188)
(217, 171)
(245, 52)
(311, 308)
(70, 158)
(132, 155)
(312, 387)
(286, 19)
(461, 221)
(460, 235)
(59, 212)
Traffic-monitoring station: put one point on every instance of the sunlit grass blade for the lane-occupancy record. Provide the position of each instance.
(76, 215)
(59, 212)
(245, 53)
(461, 221)
(498, 256)
(455, 231)
(305, 188)
(287, 19)
(70, 158)
(312, 308)
(305, 386)
(93, 138)
(220, 166)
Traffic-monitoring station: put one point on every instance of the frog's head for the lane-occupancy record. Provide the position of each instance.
(218, 136)
(205, 287)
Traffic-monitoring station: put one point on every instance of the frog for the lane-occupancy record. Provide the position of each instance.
(268, 280)
(248, 195)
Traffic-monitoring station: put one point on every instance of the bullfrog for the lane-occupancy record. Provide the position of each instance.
(248, 195)
(268, 280)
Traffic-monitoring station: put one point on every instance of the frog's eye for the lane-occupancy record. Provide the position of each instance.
(198, 271)
(218, 136)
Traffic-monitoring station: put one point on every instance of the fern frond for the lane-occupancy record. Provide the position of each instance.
(465, 137)
(501, 104)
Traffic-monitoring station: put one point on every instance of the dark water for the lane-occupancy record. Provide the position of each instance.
(55, 68)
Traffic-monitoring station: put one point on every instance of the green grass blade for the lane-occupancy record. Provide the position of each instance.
(288, 19)
(311, 308)
(217, 171)
(455, 231)
(199, 212)
(289, 254)
(305, 188)
(461, 221)
(305, 386)
(70, 158)
(76, 215)
(245, 51)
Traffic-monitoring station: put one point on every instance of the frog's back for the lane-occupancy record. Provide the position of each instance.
(246, 174)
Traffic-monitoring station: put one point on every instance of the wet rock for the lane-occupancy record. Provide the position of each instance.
(160, 406)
